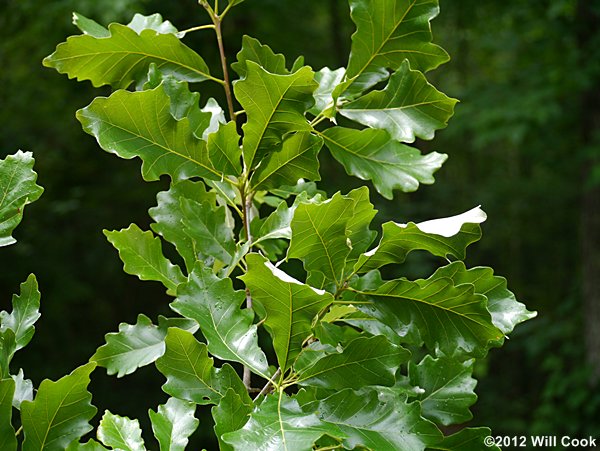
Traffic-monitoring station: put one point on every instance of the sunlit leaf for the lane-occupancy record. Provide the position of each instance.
(230, 414)
(89, 26)
(173, 423)
(120, 433)
(154, 22)
(263, 55)
(25, 313)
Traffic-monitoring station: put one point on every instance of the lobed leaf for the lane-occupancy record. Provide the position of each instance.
(154, 22)
(263, 55)
(89, 26)
(17, 189)
(25, 313)
(124, 57)
(467, 439)
(407, 108)
(287, 306)
(231, 414)
(120, 433)
(142, 256)
(23, 389)
(229, 331)
(371, 154)
(8, 440)
(173, 423)
(60, 412)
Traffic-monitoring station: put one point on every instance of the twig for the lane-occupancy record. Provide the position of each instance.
(267, 386)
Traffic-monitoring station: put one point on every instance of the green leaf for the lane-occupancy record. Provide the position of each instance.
(17, 189)
(372, 154)
(263, 55)
(8, 440)
(319, 236)
(120, 433)
(136, 345)
(154, 22)
(441, 237)
(25, 313)
(501, 303)
(8, 347)
(142, 256)
(168, 216)
(297, 159)
(90, 445)
(173, 423)
(208, 228)
(89, 26)
(376, 424)
(406, 108)
(447, 389)
(288, 306)
(230, 414)
(60, 412)
(190, 373)
(387, 33)
(468, 439)
(139, 124)
(328, 80)
(364, 361)
(275, 106)
(125, 56)
(229, 331)
(23, 389)
(359, 235)
(279, 424)
(224, 150)
(453, 319)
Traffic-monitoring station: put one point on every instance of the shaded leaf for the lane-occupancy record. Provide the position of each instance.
(364, 361)
(387, 33)
(60, 412)
(25, 313)
(468, 439)
(142, 256)
(173, 423)
(90, 445)
(406, 108)
(229, 415)
(447, 389)
(89, 26)
(263, 55)
(125, 56)
(372, 154)
(120, 433)
(228, 330)
(297, 159)
(441, 237)
(8, 440)
(275, 106)
(279, 424)
(140, 124)
(190, 373)
(224, 150)
(17, 189)
(8, 347)
(287, 306)
(376, 424)
(136, 345)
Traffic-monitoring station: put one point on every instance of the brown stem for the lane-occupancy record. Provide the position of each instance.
(227, 84)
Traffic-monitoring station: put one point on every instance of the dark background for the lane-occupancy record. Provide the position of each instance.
(524, 143)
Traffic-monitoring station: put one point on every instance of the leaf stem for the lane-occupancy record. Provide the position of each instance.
(201, 27)
(268, 384)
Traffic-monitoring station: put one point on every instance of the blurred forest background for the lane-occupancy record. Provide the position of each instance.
(524, 143)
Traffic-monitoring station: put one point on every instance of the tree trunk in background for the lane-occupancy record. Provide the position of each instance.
(588, 24)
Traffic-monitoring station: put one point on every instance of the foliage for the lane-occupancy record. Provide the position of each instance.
(345, 358)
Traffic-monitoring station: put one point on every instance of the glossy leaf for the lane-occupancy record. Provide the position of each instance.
(124, 57)
(231, 414)
(89, 26)
(376, 424)
(453, 319)
(142, 256)
(8, 440)
(139, 124)
(506, 311)
(328, 80)
(364, 361)
(224, 150)
(190, 373)
(229, 331)
(287, 306)
(467, 439)
(387, 33)
(154, 22)
(447, 389)
(279, 424)
(407, 108)
(90, 445)
(372, 154)
(17, 189)
(25, 313)
(136, 345)
(297, 159)
(8, 347)
(60, 412)
(23, 389)
(120, 433)
(275, 106)
(263, 55)
(441, 237)
(173, 423)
